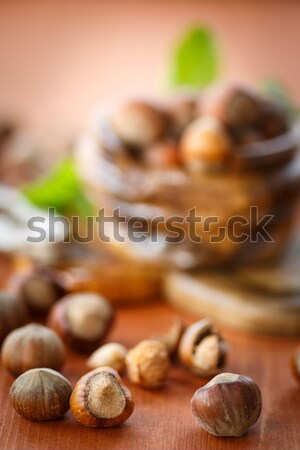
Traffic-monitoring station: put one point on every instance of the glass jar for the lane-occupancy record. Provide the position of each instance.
(240, 215)
(200, 180)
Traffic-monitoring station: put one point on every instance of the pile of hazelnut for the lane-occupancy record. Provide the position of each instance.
(219, 153)
(209, 131)
(226, 406)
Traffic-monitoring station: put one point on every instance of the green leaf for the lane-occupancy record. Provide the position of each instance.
(61, 189)
(195, 60)
(278, 92)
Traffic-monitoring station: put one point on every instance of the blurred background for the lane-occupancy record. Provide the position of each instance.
(60, 58)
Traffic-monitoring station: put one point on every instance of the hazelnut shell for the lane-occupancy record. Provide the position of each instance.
(41, 394)
(228, 405)
(87, 400)
(182, 110)
(30, 347)
(163, 154)
(58, 320)
(191, 338)
(40, 290)
(172, 336)
(235, 106)
(112, 355)
(13, 314)
(139, 123)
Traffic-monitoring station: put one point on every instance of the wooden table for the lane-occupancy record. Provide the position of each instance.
(162, 419)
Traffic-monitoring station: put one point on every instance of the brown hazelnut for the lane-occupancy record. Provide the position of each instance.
(295, 364)
(138, 123)
(100, 399)
(40, 290)
(228, 405)
(110, 143)
(148, 364)
(13, 313)
(82, 320)
(205, 143)
(171, 338)
(30, 347)
(248, 135)
(41, 394)
(182, 110)
(162, 155)
(110, 355)
(202, 349)
(273, 122)
(235, 106)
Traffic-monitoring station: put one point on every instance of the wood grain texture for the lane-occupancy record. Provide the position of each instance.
(162, 419)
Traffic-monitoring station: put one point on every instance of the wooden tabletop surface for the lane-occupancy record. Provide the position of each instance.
(162, 419)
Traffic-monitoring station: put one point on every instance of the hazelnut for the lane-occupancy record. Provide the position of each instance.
(111, 355)
(109, 142)
(40, 290)
(82, 320)
(228, 405)
(41, 394)
(111, 147)
(273, 122)
(162, 154)
(248, 135)
(202, 349)
(235, 106)
(32, 346)
(139, 123)
(205, 143)
(148, 364)
(171, 338)
(100, 399)
(295, 364)
(182, 110)
(13, 314)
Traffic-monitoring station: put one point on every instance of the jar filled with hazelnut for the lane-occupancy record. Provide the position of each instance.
(200, 173)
